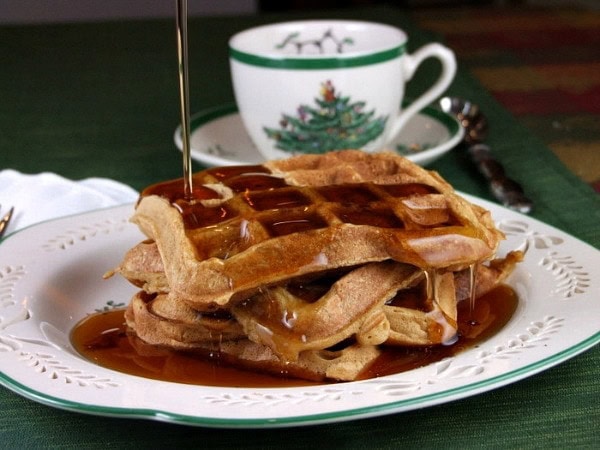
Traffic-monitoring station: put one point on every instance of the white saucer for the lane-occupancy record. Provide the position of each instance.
(218, 137)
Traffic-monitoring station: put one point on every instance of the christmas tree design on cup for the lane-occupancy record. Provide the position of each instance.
(334, 123)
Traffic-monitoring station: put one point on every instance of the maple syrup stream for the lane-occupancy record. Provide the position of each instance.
(184, 95)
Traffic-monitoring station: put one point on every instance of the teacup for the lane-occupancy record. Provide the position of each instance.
(320, 85)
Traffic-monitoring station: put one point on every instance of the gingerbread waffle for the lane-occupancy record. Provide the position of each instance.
(308, 266)
(251, 226)
(158, 320)
(319, 315)
(330, 328)
(331, 331)
(343, 364)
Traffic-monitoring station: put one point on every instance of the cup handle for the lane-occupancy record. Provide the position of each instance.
(410, 64)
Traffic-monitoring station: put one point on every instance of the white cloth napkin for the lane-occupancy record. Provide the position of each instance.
(45, 196)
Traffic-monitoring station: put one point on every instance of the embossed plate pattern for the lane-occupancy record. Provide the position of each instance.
(51, 277)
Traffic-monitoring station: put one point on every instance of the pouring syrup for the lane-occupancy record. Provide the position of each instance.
(184, 94)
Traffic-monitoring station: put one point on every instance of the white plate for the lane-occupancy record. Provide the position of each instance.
(51, 277)
(218, 137)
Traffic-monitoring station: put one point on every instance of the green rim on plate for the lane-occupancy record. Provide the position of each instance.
(483, 385)
(438, 385)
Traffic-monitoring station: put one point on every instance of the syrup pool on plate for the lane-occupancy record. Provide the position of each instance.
(103, 338)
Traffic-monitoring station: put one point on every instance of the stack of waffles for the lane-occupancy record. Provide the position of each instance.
(307, 267)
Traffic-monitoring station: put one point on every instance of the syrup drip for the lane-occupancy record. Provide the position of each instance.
(430, 291)
(492, 311)
(446, 328)
(472, 285)
(103, 338)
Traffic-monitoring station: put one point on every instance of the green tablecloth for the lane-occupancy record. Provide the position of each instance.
(102, 100)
